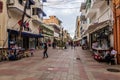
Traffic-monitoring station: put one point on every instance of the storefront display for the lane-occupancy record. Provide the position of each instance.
(102, 37)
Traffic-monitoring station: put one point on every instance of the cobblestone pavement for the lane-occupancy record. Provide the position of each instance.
(69, 64)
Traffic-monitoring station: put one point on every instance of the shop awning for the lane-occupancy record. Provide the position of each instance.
(97, 26)
(78, 39)
(25, 33)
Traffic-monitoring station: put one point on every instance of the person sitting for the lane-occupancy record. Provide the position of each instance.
(107, 57)
(113, 55)
(11, 55)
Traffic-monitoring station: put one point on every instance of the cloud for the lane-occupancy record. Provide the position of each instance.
(65, 10)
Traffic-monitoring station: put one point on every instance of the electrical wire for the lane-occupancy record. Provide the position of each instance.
(59, 3)
(51, 3)
(63, 7)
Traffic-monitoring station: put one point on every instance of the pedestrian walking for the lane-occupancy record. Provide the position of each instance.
(74, 45)
(71, 45)
(45, 55)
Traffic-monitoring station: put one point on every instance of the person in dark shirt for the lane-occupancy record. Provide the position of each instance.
(45, 51)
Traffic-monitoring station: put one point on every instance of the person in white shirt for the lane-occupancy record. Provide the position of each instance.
(113, 55)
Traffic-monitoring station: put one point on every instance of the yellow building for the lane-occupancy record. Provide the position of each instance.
(56, 23)
(11, 20)
(77, 30)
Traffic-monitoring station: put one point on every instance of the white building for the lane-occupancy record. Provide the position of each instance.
(99, 18)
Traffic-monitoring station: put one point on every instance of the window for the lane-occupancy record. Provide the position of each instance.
(20, 1)
(34, 11)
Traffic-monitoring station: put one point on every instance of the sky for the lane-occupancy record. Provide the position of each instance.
(65, 10)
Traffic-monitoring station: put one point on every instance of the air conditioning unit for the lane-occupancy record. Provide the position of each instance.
(10, 2)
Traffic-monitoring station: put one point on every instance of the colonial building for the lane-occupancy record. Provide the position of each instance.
(116, 28)
(56, 23)
(99, 23)
(77, 30)
(24, 30)
(83, 19)
(83, 24)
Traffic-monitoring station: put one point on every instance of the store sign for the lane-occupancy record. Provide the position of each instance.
(1, 6)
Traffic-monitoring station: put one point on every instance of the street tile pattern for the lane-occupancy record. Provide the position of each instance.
(69, 64)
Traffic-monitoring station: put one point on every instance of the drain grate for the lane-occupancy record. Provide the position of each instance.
(113, 70)
(77, 58)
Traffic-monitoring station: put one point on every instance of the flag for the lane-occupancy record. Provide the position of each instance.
(20, 22)
(27, 24)
(24, 24)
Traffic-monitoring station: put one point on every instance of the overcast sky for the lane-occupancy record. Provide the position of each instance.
(65, 10)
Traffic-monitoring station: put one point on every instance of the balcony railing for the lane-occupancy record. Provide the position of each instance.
(36, 19)
(16, 6)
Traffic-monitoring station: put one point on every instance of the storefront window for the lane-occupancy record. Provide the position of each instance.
(19, 42)
(102, 38)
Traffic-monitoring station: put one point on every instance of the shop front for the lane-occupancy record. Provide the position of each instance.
(101, 38)
(27, 41)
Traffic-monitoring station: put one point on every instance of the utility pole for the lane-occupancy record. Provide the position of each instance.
(22, 20)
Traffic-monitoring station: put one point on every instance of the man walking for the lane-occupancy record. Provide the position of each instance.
(45, 55)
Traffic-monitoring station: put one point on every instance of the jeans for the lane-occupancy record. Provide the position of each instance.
(45, 54)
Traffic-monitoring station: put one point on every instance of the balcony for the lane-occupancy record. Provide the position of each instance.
(17, 7)
(91, 12)
(97, 3)
(83, 6)
(36, 19)
(38, 7)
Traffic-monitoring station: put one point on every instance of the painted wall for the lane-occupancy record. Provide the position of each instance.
(3, 24)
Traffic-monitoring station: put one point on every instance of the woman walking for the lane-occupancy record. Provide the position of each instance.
(45, 55)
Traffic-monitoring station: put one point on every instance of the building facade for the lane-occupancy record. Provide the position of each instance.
(99, 19)
(19, 28)
(77, 30)
(116, 28)
(77, 36)
(56, 23)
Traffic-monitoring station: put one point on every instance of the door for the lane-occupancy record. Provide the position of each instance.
(25, 42)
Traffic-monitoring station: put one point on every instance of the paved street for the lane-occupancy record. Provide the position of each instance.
(61, 65)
